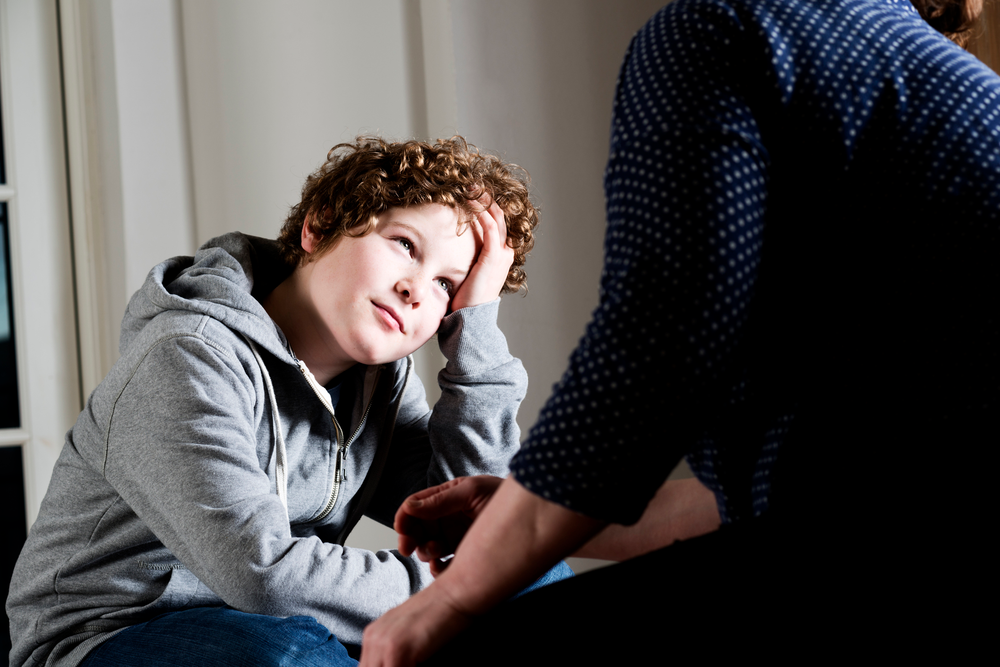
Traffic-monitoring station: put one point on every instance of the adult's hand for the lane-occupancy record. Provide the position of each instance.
(432, 522)
(412, 632)
(484, 572)
(489, 271)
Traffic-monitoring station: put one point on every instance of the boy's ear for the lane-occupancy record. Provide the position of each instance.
(309, 238)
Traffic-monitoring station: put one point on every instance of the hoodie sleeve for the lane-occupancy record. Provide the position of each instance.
(473, 427)
(181, 452)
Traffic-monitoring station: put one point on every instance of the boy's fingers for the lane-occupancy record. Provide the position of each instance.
(478, 230)
(431, 551)
(498, 217)
(406, 545)
(416, 521)
(495, 256)
(412, 505)
(494, 226)
(414, 532)
(468, 496)
(493, 260)
(438, 566)
(431, 490)
(431, 541)
(411, 526)
(452, 500)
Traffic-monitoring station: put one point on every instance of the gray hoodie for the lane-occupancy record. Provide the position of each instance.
(178, 488)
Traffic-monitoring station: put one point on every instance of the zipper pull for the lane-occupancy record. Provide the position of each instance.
(341, 470)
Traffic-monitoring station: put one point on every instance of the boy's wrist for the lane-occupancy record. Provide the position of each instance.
(471, 306)
(471, 341)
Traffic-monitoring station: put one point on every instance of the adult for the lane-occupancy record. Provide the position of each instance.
(802, 204)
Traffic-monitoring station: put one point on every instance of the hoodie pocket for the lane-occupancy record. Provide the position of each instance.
(183, 589)
(174, 588)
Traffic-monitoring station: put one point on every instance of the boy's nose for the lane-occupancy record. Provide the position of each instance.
(410, 289)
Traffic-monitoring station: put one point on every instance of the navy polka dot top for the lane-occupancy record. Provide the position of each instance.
(802, 204)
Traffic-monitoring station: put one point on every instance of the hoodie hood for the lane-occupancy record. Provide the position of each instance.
(225, 280)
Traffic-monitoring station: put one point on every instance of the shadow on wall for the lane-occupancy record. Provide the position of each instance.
(536, 80)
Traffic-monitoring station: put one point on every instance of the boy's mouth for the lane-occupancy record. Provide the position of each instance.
(390, 316)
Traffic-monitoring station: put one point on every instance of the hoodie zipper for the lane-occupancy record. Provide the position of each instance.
(339, 472)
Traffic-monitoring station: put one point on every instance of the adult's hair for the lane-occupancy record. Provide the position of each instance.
(363, 179)
(955, 19)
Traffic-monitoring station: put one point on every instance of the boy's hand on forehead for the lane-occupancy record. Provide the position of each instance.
(489, 270)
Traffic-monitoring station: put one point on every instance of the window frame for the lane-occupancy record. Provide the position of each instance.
(41, 264)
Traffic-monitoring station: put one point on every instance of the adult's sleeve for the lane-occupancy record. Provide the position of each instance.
(472, 429)
(182, 453)
(685, 194)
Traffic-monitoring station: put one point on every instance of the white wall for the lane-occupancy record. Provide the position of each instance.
(130, 167)
(212, 112)
(156, 204)
(272, 86)
(535, 82)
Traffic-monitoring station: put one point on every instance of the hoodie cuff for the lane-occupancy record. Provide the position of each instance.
(471, 341)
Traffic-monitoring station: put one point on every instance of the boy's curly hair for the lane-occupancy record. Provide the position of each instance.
(360, 180)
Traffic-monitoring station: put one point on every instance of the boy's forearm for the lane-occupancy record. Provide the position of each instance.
(680, 510)
(473, 428)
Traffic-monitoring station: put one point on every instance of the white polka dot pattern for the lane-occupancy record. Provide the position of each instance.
(734, 124)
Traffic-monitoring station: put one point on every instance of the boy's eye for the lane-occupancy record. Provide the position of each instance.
(406, 244)
(445, 285)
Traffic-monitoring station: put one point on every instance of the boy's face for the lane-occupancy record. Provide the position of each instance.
(379, 297)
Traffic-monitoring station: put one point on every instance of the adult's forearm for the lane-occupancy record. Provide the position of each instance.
(681, 509)
(517, 538)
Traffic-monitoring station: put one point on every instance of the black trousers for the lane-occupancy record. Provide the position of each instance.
(761, 589)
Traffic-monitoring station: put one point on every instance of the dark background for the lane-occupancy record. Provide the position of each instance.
(12, 525)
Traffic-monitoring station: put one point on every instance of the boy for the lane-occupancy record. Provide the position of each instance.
(263, 402)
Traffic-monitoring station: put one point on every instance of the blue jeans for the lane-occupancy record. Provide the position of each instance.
(224, 637)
